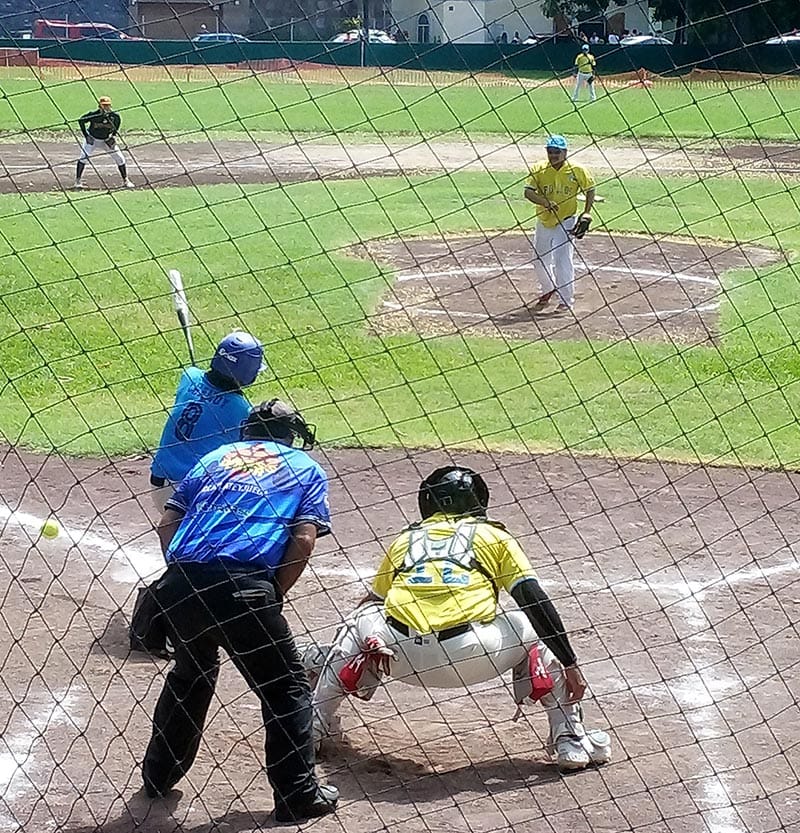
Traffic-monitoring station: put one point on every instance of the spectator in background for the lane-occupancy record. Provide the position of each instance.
(504, 38)
(634, 33)
(530, 39)
(516, 38)
(595, 39)
(582, 36)
(613, 39)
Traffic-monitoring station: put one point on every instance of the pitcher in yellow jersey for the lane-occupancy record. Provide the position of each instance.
(585, 68)
(432, 620)
(553, 187)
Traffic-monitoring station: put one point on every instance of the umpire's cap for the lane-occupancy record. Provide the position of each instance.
(557, 142)
(277, 421)
(454, 490)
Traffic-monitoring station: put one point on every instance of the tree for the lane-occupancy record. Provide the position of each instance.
(729, 23)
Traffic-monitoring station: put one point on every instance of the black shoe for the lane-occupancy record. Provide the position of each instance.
(321, 804)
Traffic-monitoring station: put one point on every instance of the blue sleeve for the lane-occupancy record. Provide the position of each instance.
(314, 507)
(187, 490)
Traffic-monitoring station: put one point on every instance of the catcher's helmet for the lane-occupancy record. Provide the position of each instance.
(239, 357)
(455, 490)
(277, 421)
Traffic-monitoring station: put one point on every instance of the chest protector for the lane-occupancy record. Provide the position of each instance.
(456, 549)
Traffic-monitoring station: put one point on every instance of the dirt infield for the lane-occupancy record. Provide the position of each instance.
(678, 583)
(627, 287)
(47, 165)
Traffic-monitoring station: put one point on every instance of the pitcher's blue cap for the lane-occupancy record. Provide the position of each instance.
(557, 142)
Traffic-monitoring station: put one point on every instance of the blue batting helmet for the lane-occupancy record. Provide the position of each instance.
(585, 47)
(240, 357)
(557, 142)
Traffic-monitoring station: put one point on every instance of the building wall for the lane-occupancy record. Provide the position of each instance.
(163, 20)
(523, 16)
(302, 20)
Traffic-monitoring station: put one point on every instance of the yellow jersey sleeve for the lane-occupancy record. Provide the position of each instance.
(533, 179)
(584, 179)
(502, 557)
(393, 559)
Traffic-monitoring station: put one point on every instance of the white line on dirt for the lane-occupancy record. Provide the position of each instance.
(143, 561)
(657, 274)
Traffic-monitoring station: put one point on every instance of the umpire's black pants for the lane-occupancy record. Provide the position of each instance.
(223, 604)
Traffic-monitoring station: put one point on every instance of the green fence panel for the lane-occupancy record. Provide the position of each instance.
(549, 57)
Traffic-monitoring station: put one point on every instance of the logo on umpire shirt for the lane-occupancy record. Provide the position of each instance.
(257, 460)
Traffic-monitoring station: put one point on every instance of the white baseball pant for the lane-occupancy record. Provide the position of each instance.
(553, 250)
(100, 145)
(484, 652)
(580, 79)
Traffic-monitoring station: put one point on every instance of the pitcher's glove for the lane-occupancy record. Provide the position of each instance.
(111, 143)
(582, 226)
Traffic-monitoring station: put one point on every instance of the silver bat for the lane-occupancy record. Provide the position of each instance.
(181, 308)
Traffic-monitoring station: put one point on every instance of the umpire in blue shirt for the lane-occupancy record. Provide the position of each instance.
(237, 535)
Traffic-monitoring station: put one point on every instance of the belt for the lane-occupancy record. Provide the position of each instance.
(447, 633)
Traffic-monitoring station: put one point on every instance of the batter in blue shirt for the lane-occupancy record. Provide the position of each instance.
(208, 411)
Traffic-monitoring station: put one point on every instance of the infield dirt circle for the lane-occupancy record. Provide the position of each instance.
(638, 287)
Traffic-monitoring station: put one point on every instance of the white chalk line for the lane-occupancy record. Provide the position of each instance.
(658, 275)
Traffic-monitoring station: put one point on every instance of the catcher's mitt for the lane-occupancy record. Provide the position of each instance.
(111, 142)
(581, 226)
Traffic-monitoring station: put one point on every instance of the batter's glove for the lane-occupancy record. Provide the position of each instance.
(111, 142)
(581, 226)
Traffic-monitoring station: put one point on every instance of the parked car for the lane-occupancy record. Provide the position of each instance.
(645, 40)
(792, 38)
(220, 37)
(355, 35)
(67, 30)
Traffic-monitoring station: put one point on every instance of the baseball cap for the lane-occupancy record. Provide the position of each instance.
(104, 99)
(557, 142)
(585, 47)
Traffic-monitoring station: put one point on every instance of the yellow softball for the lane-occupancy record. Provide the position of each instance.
(50, 528)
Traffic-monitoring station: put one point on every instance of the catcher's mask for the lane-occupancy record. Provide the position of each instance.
(455, 490)
(277, 421)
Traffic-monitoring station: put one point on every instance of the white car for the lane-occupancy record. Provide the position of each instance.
(645, 40)
(783, 39)
(355, 35)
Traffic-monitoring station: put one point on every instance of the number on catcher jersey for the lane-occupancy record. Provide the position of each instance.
(449, 575)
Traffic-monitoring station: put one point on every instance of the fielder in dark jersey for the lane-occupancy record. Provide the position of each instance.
(100, 129)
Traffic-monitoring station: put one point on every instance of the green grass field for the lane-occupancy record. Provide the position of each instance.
(256, 106)
(90, 349)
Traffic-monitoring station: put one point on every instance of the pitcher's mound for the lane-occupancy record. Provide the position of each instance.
(626, 287)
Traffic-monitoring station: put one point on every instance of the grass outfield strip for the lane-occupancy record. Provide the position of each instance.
(91, 349)
(254, 105)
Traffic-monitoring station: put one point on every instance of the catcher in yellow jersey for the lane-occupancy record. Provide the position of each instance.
(432, 620)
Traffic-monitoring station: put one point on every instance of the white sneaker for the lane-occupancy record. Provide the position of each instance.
(571, 755)
(78, 185)
(128, 184)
